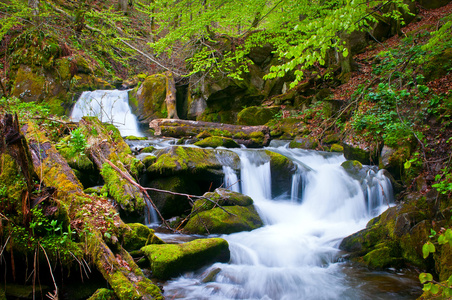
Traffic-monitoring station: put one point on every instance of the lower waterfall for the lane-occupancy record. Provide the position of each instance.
(109, 106)
(295, 255)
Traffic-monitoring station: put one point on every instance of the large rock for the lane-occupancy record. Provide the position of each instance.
(217, 141)
(237, 213)
(395, 238)
(171, 260)
(282, 170)
(366, 155)
(148, 100)
(256, 115)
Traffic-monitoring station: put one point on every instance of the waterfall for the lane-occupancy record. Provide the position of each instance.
(110, 107)
(295, 255)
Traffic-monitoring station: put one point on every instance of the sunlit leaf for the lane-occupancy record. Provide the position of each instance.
(424, 277)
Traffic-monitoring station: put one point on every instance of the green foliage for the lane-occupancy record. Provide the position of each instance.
(440, 39)
(300, 32)
(24, 110)
(431, 286)
(77, 142)
(444, 182)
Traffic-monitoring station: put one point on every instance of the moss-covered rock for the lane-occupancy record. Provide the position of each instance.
(223, 197)
(286, 128)
(393, 159)
(148, 99)
(336, 148)
(256, 115)
(138, 236)
(365, 156)
(282, 170)
(171, 260)
(188, 160)
(353, 167)
(395, 238)
(304, 143)
(217, 141)
(216, 220)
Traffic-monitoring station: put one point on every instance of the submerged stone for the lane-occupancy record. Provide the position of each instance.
(171, 260)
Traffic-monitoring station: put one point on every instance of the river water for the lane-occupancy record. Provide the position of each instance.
(295, 254)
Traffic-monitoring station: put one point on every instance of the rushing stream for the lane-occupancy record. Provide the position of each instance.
(295, 255)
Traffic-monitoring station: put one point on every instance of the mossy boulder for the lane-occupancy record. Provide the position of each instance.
(354, 168)
(148, 99)
(366, 156)
(138, 235)
(217, 141)
(336, 148)
(216, 220)
(179, 160)
(209, 217)
(223, 197)
(282, 170)
(287, 128)
(431, 4)
(256, 115)
(392, 159)
(304, 143)
(395, 238)
(170, 260)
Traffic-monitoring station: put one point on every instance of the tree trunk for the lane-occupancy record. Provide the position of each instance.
(170, 100)
(33, 4)
(115, 264)
(250, 136)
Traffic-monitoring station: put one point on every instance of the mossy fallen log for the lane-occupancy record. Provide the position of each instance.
(87, 216)
(250, 136)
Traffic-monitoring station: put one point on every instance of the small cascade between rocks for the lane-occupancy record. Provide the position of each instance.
(295, 255)
(110, 106)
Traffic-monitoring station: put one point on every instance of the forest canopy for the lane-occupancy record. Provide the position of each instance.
(300, 32)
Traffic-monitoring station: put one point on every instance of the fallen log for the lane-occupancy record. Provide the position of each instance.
(250, 136)
(85, 213)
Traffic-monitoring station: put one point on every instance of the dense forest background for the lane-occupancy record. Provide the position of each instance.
(372, 79)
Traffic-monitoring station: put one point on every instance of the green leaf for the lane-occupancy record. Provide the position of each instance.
(431, 247)
(449, 281)
(407, 164)
(442, 239)
(427, 287)
(434, 289)
(424, 277)
(345, 52)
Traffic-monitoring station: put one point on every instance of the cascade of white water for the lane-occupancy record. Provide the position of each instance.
(294, 255)
(109, 106)
(231, 180)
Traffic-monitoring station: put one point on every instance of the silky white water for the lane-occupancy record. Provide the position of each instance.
(294, 256)
(110, 106)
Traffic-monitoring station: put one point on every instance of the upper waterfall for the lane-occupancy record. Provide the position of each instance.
(110, 106)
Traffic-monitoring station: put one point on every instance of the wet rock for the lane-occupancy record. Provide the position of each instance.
(171, 260)
(138, 235)
(217, 141)
(304, 143)
(236, 215)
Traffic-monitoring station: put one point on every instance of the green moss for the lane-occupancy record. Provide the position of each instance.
(217, 141)
(242, 218)
(256, 115)
(173, 259)
(149, 160)
(135, 138)
(103, 294)
(384, 255)
(139, 236)
(336, 148)
(149, 149)
(223, 197)
(304, 143)
(123, 287)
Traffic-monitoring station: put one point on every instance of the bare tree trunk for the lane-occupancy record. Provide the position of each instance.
(33, 4)
(171, 104)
